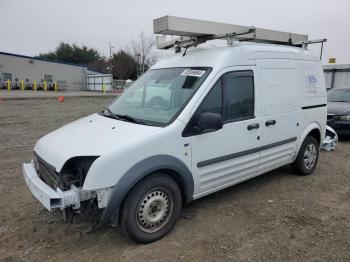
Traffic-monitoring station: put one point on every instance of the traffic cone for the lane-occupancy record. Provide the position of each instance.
(61, 99)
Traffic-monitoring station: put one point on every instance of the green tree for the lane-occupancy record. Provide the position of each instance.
(65, 52)
(123, 65)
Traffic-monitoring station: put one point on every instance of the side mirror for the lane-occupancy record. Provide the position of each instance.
(209, 122)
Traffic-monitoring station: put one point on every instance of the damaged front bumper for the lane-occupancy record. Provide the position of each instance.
(51, 198)
(330, 141)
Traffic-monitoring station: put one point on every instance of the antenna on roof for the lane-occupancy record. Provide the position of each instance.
(193, 32)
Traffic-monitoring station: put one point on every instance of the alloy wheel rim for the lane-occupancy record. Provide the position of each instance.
(310, 156)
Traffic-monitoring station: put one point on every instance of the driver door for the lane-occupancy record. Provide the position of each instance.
(229, 155)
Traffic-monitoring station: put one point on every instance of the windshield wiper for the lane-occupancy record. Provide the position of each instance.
(343, 101)
(130, 119)
(124, 117)
(110, 113)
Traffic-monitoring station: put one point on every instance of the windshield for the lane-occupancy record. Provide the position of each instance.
(159, 95)
(339, 95)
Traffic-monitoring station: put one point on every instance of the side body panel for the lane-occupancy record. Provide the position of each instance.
(281, 111)
(313, 98)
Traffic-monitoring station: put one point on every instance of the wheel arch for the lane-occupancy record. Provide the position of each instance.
(313, 129)
(163, 164)
(316, 133)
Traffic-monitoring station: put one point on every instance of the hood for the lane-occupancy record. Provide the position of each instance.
(94, 135)
(339, 108)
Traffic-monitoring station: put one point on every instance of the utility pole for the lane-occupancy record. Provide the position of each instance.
(110, 58)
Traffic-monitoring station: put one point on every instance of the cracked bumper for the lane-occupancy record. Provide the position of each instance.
(47, 196)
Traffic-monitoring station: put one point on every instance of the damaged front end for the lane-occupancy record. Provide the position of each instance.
(330, 141)
(63, 190)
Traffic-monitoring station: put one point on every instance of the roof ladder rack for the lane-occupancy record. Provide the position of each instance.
(192, 32)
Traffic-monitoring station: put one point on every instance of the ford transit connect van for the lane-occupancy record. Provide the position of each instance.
(190, 126)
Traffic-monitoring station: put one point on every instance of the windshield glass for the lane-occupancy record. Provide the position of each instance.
(159, 95)
(339, 95)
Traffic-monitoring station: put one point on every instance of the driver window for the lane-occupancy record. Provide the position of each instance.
(213, 101)
(232, 96)
(238, 88)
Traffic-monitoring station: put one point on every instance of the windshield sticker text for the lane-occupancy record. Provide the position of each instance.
(192, 72)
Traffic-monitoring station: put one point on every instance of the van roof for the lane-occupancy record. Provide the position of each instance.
(240, 53)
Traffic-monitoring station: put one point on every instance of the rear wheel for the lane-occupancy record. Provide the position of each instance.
(307, 158)
(151, 209)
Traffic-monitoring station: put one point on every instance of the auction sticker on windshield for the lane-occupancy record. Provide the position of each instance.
(193, 72)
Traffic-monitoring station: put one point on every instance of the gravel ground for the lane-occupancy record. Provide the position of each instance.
(275, 217)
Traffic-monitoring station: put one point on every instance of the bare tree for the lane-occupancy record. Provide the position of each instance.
(143, 51)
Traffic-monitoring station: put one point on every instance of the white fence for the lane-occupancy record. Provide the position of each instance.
(99, 82)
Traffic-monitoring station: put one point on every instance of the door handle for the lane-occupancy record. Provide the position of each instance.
(253, 126)
(270, 123)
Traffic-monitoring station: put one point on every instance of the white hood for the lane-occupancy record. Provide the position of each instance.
(93, 135)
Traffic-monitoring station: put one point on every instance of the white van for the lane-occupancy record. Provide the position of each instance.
(226, 115)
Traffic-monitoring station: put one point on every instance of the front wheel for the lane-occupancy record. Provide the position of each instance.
(307, 158)
(151, 209)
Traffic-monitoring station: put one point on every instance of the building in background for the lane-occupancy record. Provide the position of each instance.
(337, 75)
(17, 68)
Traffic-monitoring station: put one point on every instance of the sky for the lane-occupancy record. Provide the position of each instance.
(30, 27)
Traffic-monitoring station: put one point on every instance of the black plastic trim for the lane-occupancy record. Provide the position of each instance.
(244, 153)
(314, 106)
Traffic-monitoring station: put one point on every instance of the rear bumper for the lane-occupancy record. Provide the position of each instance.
(47, 196)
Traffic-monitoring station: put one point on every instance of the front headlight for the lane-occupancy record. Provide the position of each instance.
(344, 118)
(74, 171)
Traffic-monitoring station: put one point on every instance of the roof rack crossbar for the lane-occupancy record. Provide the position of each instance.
(194, 41)
(316, 41)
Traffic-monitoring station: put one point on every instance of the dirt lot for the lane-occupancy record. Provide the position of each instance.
(275, 217)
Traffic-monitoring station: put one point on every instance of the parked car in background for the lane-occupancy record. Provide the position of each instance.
(339, 110)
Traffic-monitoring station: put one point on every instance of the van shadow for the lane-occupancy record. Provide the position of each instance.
(79, 227)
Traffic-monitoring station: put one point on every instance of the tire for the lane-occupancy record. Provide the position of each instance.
(151, 209)
(305, 163)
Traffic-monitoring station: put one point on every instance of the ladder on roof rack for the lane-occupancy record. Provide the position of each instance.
(193, 32)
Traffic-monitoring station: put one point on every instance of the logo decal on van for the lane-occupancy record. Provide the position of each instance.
(311, 83)
(312, 79)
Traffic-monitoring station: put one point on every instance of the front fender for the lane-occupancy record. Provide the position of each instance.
(141, 170)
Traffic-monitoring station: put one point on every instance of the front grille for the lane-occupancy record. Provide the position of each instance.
(343, 126)
(47, 173)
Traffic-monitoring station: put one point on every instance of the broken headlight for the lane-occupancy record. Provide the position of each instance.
(74, 171)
